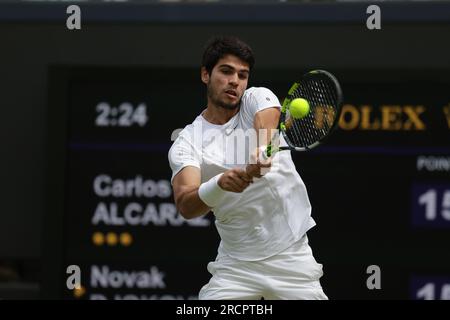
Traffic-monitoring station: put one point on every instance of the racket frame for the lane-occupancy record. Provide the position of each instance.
(284, 108)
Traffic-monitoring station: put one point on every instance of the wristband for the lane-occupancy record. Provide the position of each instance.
(210, 192)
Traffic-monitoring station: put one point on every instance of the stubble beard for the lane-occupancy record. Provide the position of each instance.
(213, 96)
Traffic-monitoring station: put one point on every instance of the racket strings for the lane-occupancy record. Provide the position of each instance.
(300, 133)
(306, 125)
(322, 97)
(330, 105)
(298, 137)
(304, 128)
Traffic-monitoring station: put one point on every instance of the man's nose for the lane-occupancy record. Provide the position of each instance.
(234, 79)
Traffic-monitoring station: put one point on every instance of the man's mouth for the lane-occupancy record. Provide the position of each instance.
(231, 93)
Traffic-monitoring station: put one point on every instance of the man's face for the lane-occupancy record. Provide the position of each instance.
(227, 82)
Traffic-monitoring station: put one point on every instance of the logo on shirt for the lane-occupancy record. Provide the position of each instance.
(230, 130)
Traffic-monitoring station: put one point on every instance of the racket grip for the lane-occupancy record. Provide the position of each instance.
(263, 154)
(266, 152)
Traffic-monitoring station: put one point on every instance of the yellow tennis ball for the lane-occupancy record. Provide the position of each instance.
(299, 108)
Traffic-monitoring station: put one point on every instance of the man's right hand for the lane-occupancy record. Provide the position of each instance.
(258, 165)
(235, 180)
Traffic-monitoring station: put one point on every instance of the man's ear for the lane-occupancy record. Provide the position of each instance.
(205, 75)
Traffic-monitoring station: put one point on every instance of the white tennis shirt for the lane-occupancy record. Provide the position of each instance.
(274, 211)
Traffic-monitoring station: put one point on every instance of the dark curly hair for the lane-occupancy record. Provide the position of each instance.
(219, 46)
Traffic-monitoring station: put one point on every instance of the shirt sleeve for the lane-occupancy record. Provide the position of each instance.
(182, 154)
(257, 100)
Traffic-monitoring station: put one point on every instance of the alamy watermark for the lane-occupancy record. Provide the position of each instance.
(373, 21)
(374, 280)
(235, 147)
(74, 279)
(73, 21)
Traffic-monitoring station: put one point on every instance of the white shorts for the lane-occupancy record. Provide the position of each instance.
(290, 275)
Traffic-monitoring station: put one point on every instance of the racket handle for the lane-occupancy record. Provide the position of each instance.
(263, 155)
(267, 152)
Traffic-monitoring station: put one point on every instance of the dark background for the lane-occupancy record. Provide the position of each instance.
(360, 183)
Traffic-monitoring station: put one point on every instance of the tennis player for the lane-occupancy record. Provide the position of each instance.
(261, 208)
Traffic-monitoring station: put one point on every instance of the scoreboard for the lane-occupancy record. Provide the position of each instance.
(379, 187)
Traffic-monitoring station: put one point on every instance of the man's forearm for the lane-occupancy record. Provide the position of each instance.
(190, 205)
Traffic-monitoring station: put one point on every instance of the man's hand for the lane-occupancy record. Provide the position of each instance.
(267, 120)
(235, 180)
(258, 165)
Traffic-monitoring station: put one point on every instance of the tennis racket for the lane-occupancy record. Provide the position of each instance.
(324, 95)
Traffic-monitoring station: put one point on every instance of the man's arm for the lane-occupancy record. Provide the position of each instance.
(186, 186)
(266, 119)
